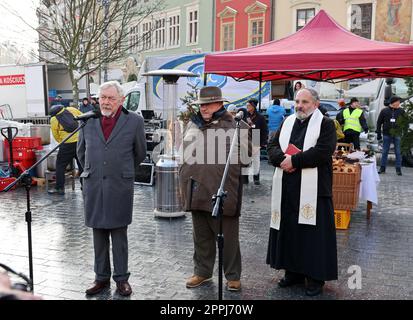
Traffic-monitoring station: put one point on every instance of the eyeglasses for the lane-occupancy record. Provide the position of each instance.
(111, 99)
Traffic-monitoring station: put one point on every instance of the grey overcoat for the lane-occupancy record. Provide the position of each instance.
(109, 170)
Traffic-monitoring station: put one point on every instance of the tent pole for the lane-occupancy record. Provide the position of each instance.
(205, 79)
(259, 94)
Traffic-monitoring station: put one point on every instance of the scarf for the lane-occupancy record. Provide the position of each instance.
(309, 176)
(108, 123)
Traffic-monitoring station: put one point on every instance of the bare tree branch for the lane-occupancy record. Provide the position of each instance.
(84, 36)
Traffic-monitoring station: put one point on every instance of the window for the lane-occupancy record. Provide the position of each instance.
(227, 36)
(133, 39)
(303, 16)
(328, 107)
(361, 19)
(400, 88)
(146, 35)
(159, 34)
(173, 34)
(132, 101)
(192, 33)
(256, 32)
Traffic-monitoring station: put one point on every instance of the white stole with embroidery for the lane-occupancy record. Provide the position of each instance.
(309, 176)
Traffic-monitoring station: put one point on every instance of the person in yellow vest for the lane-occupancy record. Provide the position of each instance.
(354, 122)
(62, 124)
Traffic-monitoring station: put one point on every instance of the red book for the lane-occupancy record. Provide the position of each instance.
(292, 150)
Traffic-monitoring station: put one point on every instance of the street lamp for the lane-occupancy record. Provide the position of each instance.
(167, 194)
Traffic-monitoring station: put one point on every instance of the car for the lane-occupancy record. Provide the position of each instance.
(331, 107)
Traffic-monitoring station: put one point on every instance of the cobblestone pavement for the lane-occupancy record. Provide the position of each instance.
(160, 250)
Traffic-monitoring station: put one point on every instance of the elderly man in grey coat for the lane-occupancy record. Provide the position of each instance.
(109, 150)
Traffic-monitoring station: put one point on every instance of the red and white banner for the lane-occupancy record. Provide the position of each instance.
(13, 79)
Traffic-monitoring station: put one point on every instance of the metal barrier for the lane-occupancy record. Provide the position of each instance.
(35, 120)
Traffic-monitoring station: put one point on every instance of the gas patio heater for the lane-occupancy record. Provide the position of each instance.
(167, 194)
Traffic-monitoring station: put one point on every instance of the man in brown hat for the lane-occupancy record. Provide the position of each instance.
(200, 180)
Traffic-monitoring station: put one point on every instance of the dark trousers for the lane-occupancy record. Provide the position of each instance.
(119, 252)
(65, 156)
(352, 137)
(205, 230)
(387, 141)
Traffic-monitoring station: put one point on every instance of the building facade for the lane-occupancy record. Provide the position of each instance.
(242, 23)
(383, 20)
(181, 27)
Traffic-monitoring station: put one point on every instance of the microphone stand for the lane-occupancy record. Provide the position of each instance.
(217, 212)
(26, 180)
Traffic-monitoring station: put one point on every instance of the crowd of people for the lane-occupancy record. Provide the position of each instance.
(302, 238)
(297, 243)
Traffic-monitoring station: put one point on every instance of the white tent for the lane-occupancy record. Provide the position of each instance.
(329, 90)
(326, 90)
(366, 90)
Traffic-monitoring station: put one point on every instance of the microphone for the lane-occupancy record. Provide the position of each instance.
(88, 115)
(239, 115)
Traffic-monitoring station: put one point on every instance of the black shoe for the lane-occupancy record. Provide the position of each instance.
(398, 171)
(245, 179)
(256, 179)
(382, 170)
(291, 279)
(314, 287)
(60, 192)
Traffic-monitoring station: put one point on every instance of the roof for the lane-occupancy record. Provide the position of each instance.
(322, 50)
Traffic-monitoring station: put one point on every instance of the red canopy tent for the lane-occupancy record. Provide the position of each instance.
(322, 51)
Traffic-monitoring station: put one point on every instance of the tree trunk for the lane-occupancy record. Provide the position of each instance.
(75, 92)
(75, 87)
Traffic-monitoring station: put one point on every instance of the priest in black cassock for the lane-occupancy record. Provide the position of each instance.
(302, 235)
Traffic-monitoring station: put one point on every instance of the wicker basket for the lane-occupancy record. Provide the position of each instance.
(342, 219)
(346, 187)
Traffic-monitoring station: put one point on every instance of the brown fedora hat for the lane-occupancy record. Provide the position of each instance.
(209, 95)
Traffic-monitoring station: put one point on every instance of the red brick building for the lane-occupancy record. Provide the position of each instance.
(241, 23)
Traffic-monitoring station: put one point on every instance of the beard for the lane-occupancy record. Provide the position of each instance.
(106, 112)
(301, 115)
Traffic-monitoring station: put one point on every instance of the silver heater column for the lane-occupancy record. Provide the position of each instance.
(167, 193)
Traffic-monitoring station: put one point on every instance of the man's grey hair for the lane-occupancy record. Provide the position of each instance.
(112, 84)
(314, 94)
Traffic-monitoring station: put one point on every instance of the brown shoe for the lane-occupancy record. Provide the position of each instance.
(97, 287)
(124, 288)
(234, 285)
(196, 281)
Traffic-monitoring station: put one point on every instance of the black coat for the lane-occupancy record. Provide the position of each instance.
(261, 124)
(384, 120)
(306, 249)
